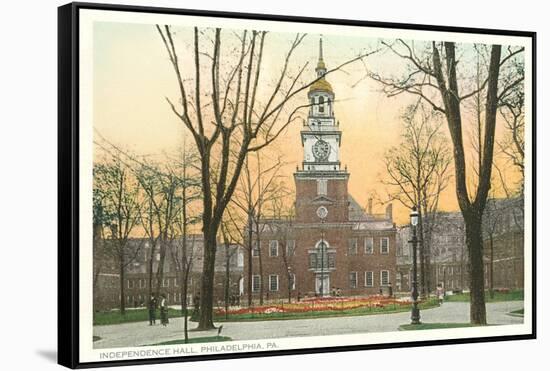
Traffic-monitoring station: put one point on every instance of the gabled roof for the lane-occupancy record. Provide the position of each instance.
(356, 212)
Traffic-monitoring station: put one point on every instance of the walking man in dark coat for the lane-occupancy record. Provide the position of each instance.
(152, 305)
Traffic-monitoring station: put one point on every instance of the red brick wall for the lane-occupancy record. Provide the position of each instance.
(306, 192)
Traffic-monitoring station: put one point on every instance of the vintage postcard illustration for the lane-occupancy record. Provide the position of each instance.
(252, 185)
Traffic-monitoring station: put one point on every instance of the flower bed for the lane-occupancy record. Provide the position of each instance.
(329, 304)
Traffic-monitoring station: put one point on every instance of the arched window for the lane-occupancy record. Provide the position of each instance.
(321, 104)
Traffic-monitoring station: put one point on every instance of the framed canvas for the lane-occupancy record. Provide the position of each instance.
(241, 185)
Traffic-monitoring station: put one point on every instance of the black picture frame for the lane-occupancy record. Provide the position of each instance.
(68, 181)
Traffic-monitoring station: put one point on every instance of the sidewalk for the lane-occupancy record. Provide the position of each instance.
(140, 333)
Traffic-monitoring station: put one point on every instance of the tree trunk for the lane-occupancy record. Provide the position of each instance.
(422, 256)
(491, 273)
(474, 241)
(226, 288)
(184, 309)
(122, 298)
(249, 273)
(260, 265)
(184, 285)
(207, 283)
(160, 267)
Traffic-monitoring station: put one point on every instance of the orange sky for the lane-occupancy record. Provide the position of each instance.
(132, 77)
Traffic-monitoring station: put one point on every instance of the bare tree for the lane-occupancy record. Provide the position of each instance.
(433, 74)
(281, 226)
(235, 121)
(492, 218)
(258, 186)
(183, 253)
(417, 173)
(231, 247)
(120, 208)
(160, 184)
(100, 221)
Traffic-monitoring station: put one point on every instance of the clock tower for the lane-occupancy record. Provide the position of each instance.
(321, 181)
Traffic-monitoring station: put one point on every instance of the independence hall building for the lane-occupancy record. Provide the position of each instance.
(332, 246)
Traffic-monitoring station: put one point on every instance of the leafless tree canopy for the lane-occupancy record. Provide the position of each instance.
(230, 110)
(441, 74)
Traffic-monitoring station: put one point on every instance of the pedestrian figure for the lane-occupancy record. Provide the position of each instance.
(152, 305)
(196, 307)
(440, 292)
(163, 310)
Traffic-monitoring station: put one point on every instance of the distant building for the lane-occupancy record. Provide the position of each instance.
(504, 242)
(332, 246)
(503, 221)
(136, 282)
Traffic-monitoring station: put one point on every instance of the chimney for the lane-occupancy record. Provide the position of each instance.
(389, 212)
(369, 207)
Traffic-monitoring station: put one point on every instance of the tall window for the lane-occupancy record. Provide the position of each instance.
(369, 245)
(321, 187)
(312, 260)
(273, 282)
(240, 259)
(369, 279)
(331, 260)
(384, 278)
(321, 104)
(256, 281)
(273, 248)
(320, 258)
(353, 280)
(384, 245)
(255, 248)
(352, 246)
(290, 247)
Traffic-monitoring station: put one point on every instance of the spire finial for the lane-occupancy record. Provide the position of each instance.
(321, 68)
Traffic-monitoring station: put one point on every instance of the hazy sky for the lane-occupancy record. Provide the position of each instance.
(132, 77)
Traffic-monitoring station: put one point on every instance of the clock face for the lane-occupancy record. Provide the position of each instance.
(322, 212)
(321, 150)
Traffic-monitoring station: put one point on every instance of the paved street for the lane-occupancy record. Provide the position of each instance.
(140, 333)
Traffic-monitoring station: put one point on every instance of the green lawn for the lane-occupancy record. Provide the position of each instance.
(432, 326)
(142, 315)
(132, 315)
(512, 295)
(205, 339)
(323, 314)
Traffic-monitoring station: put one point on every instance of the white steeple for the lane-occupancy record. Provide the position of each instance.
(321, 136)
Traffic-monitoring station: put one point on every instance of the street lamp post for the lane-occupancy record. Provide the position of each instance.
(415, 315)
(322, 290)
(289, 284)
(322, 214)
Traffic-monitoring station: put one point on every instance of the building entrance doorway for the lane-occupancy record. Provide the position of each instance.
(322, 284)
